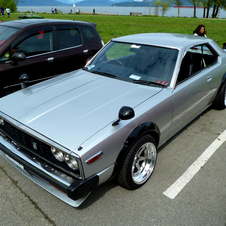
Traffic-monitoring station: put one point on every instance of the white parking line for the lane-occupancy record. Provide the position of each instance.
(181, 182)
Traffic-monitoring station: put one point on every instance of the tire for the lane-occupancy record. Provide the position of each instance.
(139, 163)
(220, 101)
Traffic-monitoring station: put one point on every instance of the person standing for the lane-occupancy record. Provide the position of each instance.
(2, 10)
(200, 31)
(8, 11)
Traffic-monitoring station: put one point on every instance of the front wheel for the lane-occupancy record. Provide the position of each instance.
(139, 163)
(220, 101)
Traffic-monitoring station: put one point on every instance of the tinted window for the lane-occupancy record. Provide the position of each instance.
(36, 43)
(68, 38)
(6, 33)
(88, 33)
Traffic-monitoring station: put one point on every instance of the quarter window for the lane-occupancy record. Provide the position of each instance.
(88, 33)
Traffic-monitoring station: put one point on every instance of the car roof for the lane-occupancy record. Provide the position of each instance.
(170, 40)
(34, 22)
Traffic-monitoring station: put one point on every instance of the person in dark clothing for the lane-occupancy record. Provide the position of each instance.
(200, 31)
(2, 10)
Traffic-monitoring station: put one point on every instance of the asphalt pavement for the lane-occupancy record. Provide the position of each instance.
(202, 200)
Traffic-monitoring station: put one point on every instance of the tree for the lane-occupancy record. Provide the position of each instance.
(157, 5)
(217, 4)
(178, 3)
(9, 3)
(206, 5)
(195, 3)
(164, 6)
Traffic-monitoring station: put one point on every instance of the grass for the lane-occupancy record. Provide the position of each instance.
(111, 26)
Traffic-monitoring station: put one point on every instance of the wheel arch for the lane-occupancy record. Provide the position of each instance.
(222, 83)
(217, 102)
(144, 128)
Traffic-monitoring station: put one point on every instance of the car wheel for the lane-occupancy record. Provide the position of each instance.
(220, 101)
(139, 163)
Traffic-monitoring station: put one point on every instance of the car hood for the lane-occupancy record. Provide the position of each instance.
(71, 108)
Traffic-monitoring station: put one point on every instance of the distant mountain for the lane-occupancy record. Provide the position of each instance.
(144, 3)
(41, 3)
(94, 3)
(70, 2)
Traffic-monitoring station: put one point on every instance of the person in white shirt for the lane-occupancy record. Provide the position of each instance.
(200, 31)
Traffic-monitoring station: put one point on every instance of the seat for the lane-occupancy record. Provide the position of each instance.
(186, 68)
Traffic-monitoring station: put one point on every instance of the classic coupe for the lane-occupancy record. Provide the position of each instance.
(76, 131)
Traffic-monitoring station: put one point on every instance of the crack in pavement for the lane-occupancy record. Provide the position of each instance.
(15, 183)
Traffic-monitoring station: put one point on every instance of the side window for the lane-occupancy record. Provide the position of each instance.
(195, 60)
(68, 38)
(88, 33)
(36, 43)
(5, 56)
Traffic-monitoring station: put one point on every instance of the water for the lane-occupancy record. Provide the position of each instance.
(184, 12)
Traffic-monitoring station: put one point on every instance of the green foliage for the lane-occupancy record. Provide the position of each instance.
(9, 3)
(178, 3)
(163, 5)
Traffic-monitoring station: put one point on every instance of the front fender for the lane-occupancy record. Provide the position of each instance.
(144, 128)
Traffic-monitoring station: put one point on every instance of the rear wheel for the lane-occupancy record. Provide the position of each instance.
(220, 102)
(139, 163)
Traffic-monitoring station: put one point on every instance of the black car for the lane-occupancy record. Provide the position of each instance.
(43, 48)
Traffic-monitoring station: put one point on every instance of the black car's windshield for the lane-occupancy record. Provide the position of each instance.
(133, 62)
(6, 33)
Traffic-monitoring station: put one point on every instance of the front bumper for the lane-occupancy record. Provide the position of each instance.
(68, 189)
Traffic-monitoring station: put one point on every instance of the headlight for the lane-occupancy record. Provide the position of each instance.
(59, 155)
(72, 162)
(1, 121)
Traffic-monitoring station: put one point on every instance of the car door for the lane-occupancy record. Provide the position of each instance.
(39, 47)
(72, 51)
(194, 90)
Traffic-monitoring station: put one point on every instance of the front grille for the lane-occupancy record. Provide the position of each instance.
(26, 141)
(34, 147)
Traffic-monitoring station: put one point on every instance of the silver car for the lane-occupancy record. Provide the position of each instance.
(76, 131)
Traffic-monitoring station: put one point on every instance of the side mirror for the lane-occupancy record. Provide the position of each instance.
(17, 57)
(23, 80)
(125, 113)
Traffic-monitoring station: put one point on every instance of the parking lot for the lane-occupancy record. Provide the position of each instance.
(200, 197)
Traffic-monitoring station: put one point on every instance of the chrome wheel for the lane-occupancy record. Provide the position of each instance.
(139, 163)
(144, 163)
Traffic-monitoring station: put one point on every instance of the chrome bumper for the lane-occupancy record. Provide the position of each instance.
(70, 190)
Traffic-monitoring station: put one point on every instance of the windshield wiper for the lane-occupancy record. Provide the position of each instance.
(104, 73)
(148, 83)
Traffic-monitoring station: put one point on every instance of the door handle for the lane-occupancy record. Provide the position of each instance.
(85, 51)
(50, 59)
(209, 78)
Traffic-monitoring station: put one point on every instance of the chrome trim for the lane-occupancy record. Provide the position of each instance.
(44, 184)
(41, 166)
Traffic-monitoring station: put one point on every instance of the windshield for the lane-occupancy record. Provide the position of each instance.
(6, 33)
(142, 64)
